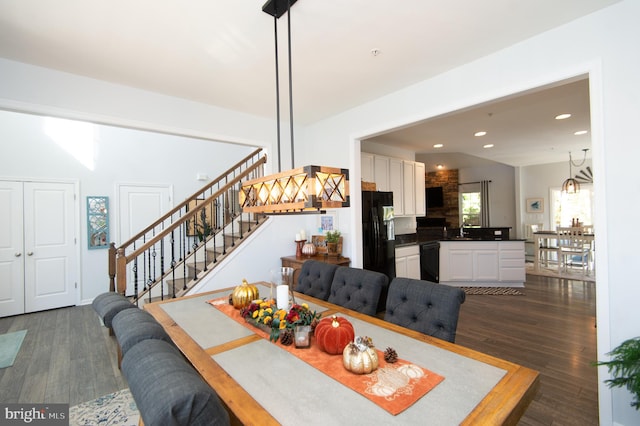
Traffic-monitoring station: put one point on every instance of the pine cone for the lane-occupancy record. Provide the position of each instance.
(314, 323)
(286, 337)
(390, 355)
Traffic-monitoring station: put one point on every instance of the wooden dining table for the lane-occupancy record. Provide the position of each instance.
(261, 383)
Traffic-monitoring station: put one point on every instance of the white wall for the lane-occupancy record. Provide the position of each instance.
(603, 44)
(119, 156)
(502, 212)
(537, 182)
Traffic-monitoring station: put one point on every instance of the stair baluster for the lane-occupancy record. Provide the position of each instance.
(148, 250)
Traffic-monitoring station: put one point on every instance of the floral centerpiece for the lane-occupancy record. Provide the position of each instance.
(279, 323)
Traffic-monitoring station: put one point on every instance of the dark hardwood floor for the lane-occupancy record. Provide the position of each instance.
(68, 357)
(552, 330)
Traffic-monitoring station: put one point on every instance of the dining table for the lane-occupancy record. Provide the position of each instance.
(261, 382)
(547, 240)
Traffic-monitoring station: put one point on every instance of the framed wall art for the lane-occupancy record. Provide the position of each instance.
(97, 222)
(327, 222)
(535, 205)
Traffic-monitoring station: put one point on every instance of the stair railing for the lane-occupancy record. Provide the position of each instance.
(190, 236)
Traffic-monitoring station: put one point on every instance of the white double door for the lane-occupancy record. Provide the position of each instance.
(38, 252)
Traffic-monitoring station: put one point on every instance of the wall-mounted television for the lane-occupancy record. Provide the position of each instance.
(435, 197)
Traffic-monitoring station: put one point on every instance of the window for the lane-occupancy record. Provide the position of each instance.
(565, 207)
(470, 208)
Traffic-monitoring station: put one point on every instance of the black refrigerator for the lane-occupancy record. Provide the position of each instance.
(378, 235)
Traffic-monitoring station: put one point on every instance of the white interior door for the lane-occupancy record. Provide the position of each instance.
(11, 249)
(138, 207)
(38, 252)
(50, 245)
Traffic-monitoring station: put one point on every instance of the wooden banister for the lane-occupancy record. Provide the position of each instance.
(150, 242)
(262, 160)
(191, 214)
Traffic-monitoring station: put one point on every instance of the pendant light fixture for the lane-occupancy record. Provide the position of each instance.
(308, 189)
(571, 185)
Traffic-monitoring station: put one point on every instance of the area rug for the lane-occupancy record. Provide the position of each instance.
(10, 346)
(493, 291)
(117, 408)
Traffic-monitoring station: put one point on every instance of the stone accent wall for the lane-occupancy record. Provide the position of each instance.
(448, 180)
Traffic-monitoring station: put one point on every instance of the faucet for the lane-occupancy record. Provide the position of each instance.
(461, 232)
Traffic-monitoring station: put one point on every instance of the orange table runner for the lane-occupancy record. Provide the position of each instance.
(394, 387)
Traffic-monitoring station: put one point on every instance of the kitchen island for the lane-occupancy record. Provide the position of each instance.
(480, 262)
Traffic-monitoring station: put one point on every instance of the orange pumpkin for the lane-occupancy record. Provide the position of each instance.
(333, 334)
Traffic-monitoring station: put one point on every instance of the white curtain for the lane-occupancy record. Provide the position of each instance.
(484, 204)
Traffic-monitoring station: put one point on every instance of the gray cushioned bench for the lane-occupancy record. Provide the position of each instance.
(131, 326)
(167, 389)
(108, 304)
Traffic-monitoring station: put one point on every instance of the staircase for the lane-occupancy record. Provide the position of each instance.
(170, 256)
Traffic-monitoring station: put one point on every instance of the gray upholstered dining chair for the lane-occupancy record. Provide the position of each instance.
(358, 289)
(424, 306)
(315, 279)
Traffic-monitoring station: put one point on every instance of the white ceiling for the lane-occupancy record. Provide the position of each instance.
(220, 52)
(522, 129)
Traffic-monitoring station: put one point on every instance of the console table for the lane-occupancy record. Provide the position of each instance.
(296, 262)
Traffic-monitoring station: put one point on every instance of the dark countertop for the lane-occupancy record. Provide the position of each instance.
(480, 239)
(466, 239)
(405, 240)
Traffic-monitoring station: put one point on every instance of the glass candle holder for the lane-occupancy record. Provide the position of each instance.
(302, 336)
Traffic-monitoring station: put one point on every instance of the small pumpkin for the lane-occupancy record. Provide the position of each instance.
(359, 356)
(244, 294)
(333, 334)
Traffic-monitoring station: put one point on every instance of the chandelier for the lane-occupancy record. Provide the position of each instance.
(571, 185)
(308, 189)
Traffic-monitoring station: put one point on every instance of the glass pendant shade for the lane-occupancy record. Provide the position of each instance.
(570, 186)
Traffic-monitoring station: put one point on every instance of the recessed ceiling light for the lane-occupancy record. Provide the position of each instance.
(562, 116)
(438, 145)
(489, 145)
(580, 132)
(481, 133)
(375, 51)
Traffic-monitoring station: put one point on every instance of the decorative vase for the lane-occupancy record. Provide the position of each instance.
(309, 249)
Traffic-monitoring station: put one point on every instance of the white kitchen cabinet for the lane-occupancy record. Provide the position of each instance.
(482, 261)
(402, 177)
(408, 262)
(396, 185)
(421, 209)
(409, 188)
(381, 172)
(367, 171)
(512, 261)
